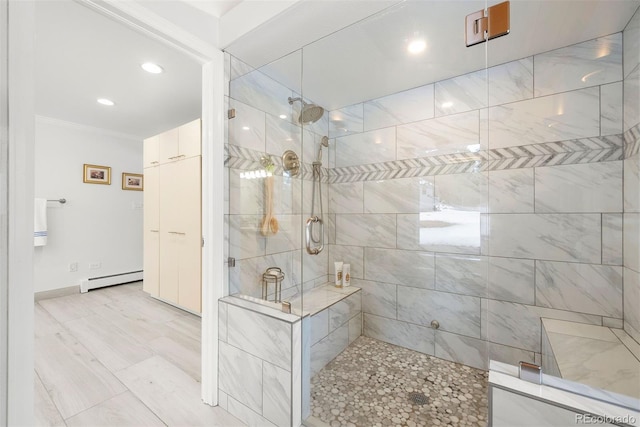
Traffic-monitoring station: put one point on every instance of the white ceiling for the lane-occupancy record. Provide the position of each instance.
(369, 59)
(82, 55)
(216, 8)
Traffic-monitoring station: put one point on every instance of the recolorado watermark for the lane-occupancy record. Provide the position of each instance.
(604, 419)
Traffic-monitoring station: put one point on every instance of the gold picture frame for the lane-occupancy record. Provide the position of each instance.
(132, 181)
(96, 174)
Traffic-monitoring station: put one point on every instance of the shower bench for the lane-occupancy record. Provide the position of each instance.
(597, 356)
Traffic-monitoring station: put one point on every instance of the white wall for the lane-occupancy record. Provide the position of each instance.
(99, 223)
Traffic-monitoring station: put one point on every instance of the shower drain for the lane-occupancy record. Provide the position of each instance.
(418, 398)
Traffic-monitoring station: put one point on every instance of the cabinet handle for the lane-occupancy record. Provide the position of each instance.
(154, 231)
(154, 163)
(181, 155)
(177, 232)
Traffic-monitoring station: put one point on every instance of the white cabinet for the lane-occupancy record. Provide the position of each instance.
(174, 205)
(151, 152)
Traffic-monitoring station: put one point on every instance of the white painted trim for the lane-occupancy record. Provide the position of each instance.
(56, 293)
(20, 180)
(86, 128)
(139, 18)
(4, 230)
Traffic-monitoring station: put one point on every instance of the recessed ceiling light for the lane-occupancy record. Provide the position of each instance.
(105, 101)
(417, 46)
(152, 68)
(245, 128)
(283, 116)
(447, 104)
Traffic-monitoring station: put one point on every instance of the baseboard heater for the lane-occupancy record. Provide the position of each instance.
(114, 279)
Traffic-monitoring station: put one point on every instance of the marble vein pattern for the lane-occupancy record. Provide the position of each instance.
(590, 63)
(276, 394)
(456, 313)
(404, 334)
(611, 109)
(342, 311)
(466, 350)
(247, 129)
(632, 141)
(462, 93)
(631, 303)
(404, 107)
(462, 274)
(367, 147)
(585, 288)
(289, 237)
(593, 187)
(404, 195)
(512, 279)
(511, 82)
(319, 326)
(444, 231)
(378, 298)
(631, 88)
(461, 192)
(262, 92)
(554, 237)
(346, 121)
(328, 348)
(347, 197)
(262, 336)
(457, 133)
(632, 184)
(355, 327)
(511, 191)
(539, 120)
(246, 415)
(612, 239)
(241, 376)
(282, 135)
(404, 268)
(353, 255)
(631, 244)
(631, 44)
(374, 230)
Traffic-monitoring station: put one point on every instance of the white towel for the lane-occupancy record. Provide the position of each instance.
(40, 222)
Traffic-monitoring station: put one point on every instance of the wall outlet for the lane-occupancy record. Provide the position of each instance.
(95, 265)
(73, 267)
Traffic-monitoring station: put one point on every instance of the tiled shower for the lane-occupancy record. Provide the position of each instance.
(484, 202)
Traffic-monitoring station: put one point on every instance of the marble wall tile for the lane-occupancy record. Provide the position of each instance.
(631, 44)
(610, 322)
(353, 255)
(282, 135)
(446, 231)
(378, 298)
(414, 337)
(511, 191)
(247, 275)
(461, 192)
(568, 115)
(466, 350)
(222, 399)
(631, 251)
(246, 415)
(276, 394)
(245, 240)
(459, 314)
(375, 230)
(518, 325)
(314, 267)
(247, 195)
(462, 274)
(403, 107)
(262, 92)
(611, 112)
(222, 321)
(307, 198)
(238, 68)
(328, 348)
(585, 288)
(590, 187)
(511, 82)
(463, 93)
(590, 63)
(555, 237)
(612, 239)
(247, 129)
(458, 133)
(355, 327)
(631, 303)
(241, 376)
(262, 336)
(632, 183)
(346, 121)
(549, 364)
(302, 393)
(368, 147)
(631, 88)
(510, 355)
(319, 326)
(289, 236)
(404, 195)
(512, 279)
(406, 268)
(330, 227)
(342, 311)
(346, 197)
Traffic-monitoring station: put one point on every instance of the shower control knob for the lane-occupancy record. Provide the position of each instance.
(435, 324)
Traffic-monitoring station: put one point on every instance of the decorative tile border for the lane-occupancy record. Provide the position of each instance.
(632, 141)
(586, 150)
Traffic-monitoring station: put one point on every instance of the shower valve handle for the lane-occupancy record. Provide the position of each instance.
(309, 225)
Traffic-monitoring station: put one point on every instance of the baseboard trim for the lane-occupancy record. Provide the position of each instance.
(55, 293)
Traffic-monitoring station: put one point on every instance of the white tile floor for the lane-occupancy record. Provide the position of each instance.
(116, 357)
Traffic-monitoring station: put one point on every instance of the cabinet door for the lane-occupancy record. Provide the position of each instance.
(189, 139)
(169, 253)
(151, 147)
(152, 198)
(151, 262)
(168, 142)
(190, 278)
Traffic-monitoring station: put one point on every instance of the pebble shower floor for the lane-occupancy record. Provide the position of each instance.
(373, 383)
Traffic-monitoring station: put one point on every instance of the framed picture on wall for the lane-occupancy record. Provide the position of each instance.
(95, 174)
(132, 181)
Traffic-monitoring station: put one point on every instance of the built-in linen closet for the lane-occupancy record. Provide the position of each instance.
(172, 216)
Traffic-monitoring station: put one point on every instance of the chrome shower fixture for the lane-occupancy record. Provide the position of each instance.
(310, 113)
(324, 142)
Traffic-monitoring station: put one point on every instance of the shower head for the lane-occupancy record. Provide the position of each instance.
(310, 113)
(324, 142)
